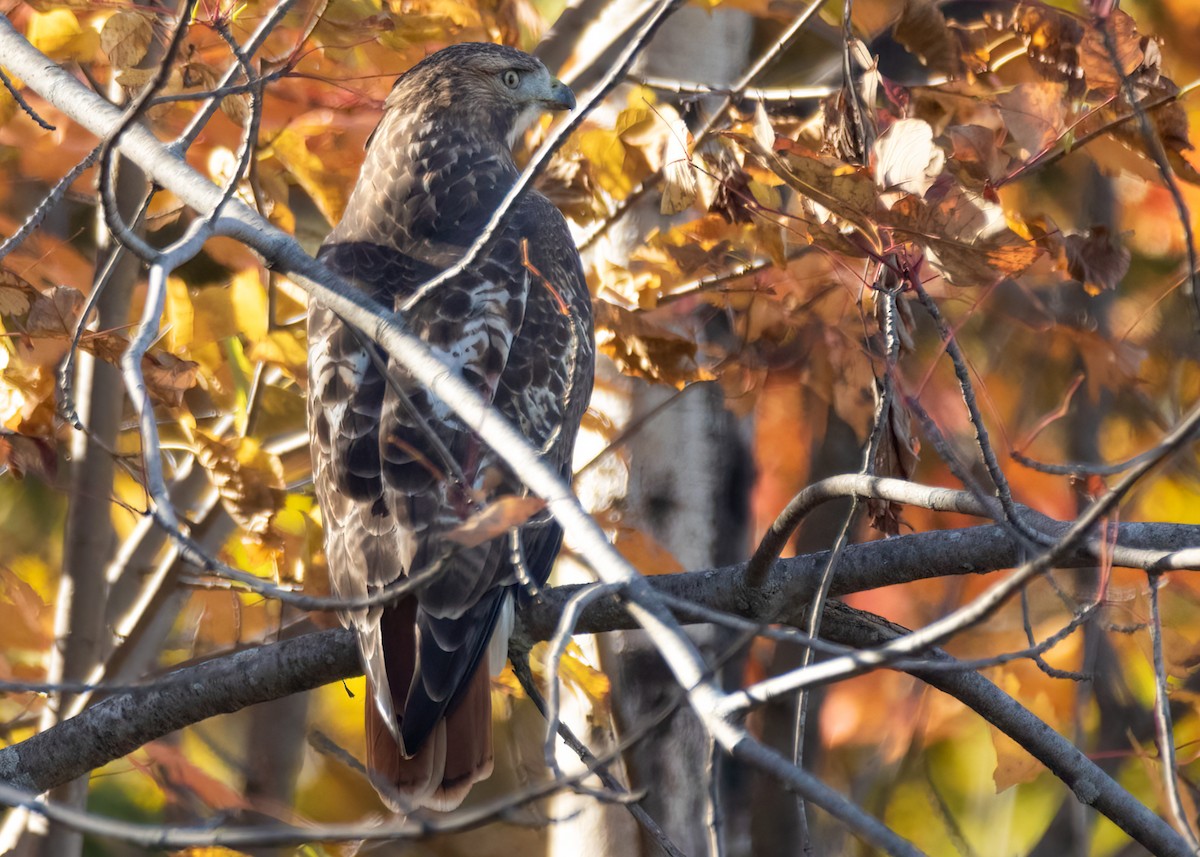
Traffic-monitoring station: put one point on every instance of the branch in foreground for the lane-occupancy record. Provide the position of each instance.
(122, 723)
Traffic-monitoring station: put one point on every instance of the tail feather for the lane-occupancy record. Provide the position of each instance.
(455, 756)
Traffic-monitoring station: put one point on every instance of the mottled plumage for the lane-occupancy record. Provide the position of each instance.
(394, 467)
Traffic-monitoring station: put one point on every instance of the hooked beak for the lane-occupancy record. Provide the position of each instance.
(561, 97)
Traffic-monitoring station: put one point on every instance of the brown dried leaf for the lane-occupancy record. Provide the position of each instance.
(126, 37)
(1035, 115)
(54, 314)
(495, 519)
(1095, 63)
(16, 295)
(644, 349)
(896, 456)
(976, 154)
(922, 31)
(841, 189)
(168, 377)
(248, 478)
(23, 454)
(967, 238)
(1097, 259)
(132, 78)
(1170, 121)
(1051, 39)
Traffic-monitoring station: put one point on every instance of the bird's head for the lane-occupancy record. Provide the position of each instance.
(501, 87)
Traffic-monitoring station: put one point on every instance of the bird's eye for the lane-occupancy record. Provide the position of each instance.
(511, 79)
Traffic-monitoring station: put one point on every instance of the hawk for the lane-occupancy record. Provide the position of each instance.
(395, 470)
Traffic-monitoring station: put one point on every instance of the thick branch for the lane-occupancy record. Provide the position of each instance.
(972, 550)
(122, 723)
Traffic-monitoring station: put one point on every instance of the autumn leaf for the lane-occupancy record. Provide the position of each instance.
(1097, 259)
(968, 238)
(1034, 115)
(495, 519)
(248, 478)
(838, 188)
(183, 777)
(896, 455)
(975, 154)
(644, 349)
(16, 295)
(644, 552)
(575, 672)
(23, 454)
(922, 31)
(54, 314)
(312, 150)
(126, 37)
(58, 34)
(904, 158)
(1096, 63)
(1051, 39)
(23, 613)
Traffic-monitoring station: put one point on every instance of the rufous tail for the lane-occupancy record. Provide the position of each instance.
(455, 756)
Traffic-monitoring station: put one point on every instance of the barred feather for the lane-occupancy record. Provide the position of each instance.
(394, 468)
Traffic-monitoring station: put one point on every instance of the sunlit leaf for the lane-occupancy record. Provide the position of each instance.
(968, 238)
(1034, 115)
(58, 34)
(904, 157)
(23, 454)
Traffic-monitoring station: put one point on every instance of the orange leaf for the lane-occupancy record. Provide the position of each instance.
(495, 519)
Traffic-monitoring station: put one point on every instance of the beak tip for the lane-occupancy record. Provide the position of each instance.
(563, 97)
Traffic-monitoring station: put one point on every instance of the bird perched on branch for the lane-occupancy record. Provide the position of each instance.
(395, 469)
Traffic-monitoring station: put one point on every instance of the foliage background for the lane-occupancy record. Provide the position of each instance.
(1079, 352)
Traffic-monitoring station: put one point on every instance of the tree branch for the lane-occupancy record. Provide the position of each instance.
(120, 724)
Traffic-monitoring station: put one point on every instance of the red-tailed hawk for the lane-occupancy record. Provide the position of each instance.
(394, 468)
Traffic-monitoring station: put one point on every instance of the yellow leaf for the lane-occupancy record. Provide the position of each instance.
(180, 315)
(310, 148)
(284, 349)
(8, 104)
(58, 34)
(1014, 764)
(574, 671)
(645, 349)
(248, 478)
(249, 305)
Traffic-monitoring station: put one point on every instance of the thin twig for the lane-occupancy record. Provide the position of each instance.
(1164, 732)
(7, 83)
(520, 663)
